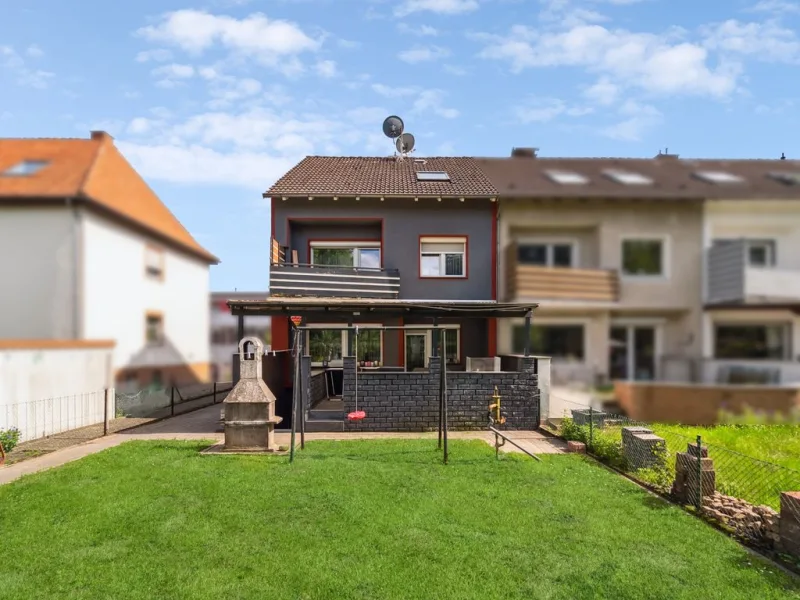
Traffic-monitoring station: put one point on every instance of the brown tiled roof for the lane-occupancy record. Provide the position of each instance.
(92, 170)
(357, 175)
(672, 178)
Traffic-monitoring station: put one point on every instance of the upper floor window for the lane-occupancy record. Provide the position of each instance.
(154, 329)
(443, 256)
(366, 255)
(546, 254)
(643, 257)
(761, 253)
(154, 263)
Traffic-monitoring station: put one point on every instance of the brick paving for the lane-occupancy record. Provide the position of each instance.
(206, 424)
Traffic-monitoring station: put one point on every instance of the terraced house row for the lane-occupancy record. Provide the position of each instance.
(643, 269)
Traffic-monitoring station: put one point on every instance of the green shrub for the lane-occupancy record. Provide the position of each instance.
(572, 432)
(9, 438)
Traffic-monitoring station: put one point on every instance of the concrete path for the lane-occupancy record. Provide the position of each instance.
(205, 424)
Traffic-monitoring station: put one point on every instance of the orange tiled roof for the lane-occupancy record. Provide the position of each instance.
(93, 170)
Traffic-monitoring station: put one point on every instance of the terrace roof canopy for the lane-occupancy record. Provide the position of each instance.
(327, 307)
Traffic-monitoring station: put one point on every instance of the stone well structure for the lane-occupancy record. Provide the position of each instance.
(250, 406)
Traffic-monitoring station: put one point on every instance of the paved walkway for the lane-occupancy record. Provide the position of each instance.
(205, 424)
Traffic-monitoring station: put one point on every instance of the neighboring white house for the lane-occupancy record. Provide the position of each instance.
(89, 252)
(225, 334)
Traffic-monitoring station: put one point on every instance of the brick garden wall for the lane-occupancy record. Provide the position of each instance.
(410, 401)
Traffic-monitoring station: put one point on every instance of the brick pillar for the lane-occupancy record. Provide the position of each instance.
(529, 379)
(790, 523)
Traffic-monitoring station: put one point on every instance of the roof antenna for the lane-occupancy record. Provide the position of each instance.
(783, 156)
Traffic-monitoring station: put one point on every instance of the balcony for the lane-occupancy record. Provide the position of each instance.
(558, 283)
(731, 280)
(287, 278)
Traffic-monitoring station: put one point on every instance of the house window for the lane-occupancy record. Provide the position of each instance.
(643, 257)
(366, 256)
(154, 263)
(546, 254)
(752, 342)
(556, 341)
(330, 345)
(761, 253)
(451, 345)
(443, 257)
(154, 329)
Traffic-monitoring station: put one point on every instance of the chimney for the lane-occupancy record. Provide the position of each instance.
(783, 156)
(666, 154)
(101, 136)
(524, 152)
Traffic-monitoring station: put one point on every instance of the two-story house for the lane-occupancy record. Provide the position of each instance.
(383, 285)
(645, 269)
(421, 229)
(89, 251)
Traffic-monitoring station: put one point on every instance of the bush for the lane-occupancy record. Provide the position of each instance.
(606, 445)
(9, 438)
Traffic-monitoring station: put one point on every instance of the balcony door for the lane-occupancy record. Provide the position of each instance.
(632, 352)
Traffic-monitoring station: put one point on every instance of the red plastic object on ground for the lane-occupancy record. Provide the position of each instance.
(356, 415)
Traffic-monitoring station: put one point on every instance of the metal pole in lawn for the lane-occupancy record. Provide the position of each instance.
(435, 345)
(295, 386)
(443, 388)
(699, 497)
(302, 392)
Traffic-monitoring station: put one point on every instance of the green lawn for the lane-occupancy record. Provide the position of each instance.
(368, 519)
(779, 444)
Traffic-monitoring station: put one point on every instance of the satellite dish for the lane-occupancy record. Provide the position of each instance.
(393, 127)
(405, 143)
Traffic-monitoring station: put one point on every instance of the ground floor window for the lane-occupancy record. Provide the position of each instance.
(419, 346)
(752, 341)
(330, 345)
(556, 341)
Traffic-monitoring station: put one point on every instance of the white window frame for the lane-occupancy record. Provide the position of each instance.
(339, 363)
(657, 324)
(323, 245)
(666, 253)
(442, 260)
(769, 244)
(422, 329)
(549, 243)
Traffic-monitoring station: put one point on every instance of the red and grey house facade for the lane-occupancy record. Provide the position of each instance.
(412, 246)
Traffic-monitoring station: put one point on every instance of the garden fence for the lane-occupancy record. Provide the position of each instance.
(750, 497)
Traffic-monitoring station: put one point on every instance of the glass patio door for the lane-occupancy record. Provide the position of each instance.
(632, 353)
(415, 351)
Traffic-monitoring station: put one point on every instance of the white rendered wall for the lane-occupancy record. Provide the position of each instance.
(119, 294)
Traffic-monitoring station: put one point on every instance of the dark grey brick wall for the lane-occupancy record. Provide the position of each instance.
(410, 401)
(317, 388)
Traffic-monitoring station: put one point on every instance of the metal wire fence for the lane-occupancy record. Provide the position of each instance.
(756, 500)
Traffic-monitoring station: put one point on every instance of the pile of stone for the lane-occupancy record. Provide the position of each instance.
(757, 524)
(642, 448)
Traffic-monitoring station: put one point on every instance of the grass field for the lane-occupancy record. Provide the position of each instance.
(364, 519)
(779, 444)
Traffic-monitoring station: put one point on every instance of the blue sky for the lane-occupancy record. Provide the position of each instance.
(212, 101)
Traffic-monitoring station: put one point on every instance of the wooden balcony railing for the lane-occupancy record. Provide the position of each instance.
(558, 283)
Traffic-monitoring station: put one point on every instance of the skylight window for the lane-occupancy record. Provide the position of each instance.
(567, 177)
(788, 178)
(627, 177)
(432, 176)
(718, 177)
(26, 167)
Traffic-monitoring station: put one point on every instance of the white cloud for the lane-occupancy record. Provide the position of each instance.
(637, 119)
(349, 44)
(655, 63)
(272, 42)
(36, 79)
(34, 51)
(454, 70)
(326, 68)
(420, 54)
(543, 110)
(155, 55)
(776, 6)
(392, 91)
(25, 76)
(422, 30)
(139, 125)
(432, 101)
(603, 92)
(764, 41)
(170, 76)
(444, 7)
